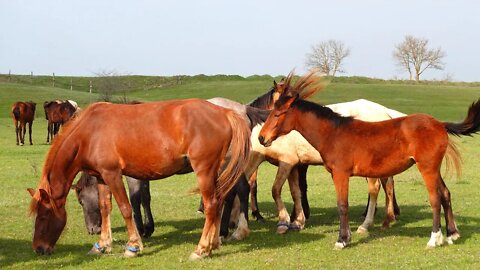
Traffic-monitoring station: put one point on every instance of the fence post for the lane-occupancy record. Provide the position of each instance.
(9, 75)
(53, 79)
(90, 91)
(31, 77)
(71, 84)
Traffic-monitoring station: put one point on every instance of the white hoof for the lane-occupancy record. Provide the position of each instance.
(436, 239)
(362, 230)
(452, 238)
(339, 245)
(195, 257)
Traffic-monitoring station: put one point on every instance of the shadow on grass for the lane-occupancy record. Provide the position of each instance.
(14, 252)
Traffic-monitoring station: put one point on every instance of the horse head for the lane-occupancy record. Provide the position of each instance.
(50, 221)
(87, 195)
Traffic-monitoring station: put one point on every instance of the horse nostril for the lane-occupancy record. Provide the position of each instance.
(40, 251)
(261, 139)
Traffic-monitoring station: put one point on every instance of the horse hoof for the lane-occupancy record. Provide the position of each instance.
(452, 238)
(339, 245)
(195, 257)
(294, 227)
(436, 239)
(362, 230)
(131, 252)
(97, 250)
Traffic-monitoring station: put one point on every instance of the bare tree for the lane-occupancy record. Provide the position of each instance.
(110, 83)
(414, 55)
(328, 57)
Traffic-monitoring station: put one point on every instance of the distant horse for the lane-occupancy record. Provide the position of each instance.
(23, 113)
(139, 194)
(351, 147)
(57, 113)
(108, 140)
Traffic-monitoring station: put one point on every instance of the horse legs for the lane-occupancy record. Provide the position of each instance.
(253, 197)
(390, 202)
(452, 231)
(17, 131)
(373, 189)
(302, 183)
(105, 203)
(389, 185)
(298, 221)
(149, 224)
(114, 180)
(284, 219)
(340, 181)
(23, 130)
(30, 132)
(134, 191)
(210, 239)
(432, 180)
(243, 188)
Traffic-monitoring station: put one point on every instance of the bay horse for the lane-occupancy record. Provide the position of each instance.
(57, 113)
(23, 113)
(351, 147)
(108, 140)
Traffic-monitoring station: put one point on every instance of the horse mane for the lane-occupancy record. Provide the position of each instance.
(306, 86)
(256, 116)
(320, 111)
(51, 155)
(264, 100)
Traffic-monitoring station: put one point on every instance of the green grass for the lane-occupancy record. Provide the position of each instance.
(178, 226)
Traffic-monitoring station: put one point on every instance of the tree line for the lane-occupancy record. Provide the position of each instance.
(412, 55)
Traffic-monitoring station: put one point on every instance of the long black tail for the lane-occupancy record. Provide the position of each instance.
(16, 113)
(470, 125)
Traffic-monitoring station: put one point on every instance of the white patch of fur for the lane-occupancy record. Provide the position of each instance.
(436, 239)
(242, 230)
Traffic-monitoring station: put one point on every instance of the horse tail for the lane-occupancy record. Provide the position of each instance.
(16, 112)
(239, 153)
(470, 125)
(453, 158)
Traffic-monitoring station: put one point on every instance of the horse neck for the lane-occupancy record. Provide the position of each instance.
(60, 169)
(317, 131)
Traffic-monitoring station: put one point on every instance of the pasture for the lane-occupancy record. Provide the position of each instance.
(178, 226)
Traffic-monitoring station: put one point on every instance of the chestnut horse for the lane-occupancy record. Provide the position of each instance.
(23, 113)
(57, 113)
(351, 147)
(108, 140)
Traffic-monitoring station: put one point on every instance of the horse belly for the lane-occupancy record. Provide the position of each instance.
(386, 167)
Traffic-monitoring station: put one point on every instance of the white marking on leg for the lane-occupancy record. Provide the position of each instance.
(242, 230)
(436, 239)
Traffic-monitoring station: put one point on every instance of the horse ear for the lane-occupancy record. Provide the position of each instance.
(31, 191)
(44, 195)
(274, 83)
(289, 102)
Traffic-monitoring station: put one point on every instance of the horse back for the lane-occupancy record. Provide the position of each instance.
(151, 140)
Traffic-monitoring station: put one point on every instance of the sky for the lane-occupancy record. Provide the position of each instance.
(243, 37)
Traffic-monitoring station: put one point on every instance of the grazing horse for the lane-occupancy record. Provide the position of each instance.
(23, 113)
(57, 113)
(108, 140)
(351, 147)
(139, 194)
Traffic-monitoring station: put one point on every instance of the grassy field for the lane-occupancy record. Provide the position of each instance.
(178, 226)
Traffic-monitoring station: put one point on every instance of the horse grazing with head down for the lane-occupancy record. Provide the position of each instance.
(57, 113)
(108, 140)
(351, 147)
(23, 113)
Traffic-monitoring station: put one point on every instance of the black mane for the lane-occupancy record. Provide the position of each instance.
(257, 116)
(264, 100)
(321, 112)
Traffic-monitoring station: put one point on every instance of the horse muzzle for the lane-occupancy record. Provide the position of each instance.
(40, 250)
(264, 142)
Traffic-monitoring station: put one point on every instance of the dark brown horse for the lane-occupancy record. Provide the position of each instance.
(23, 113)
(57, 113)
(351, 147)
(144, 141)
